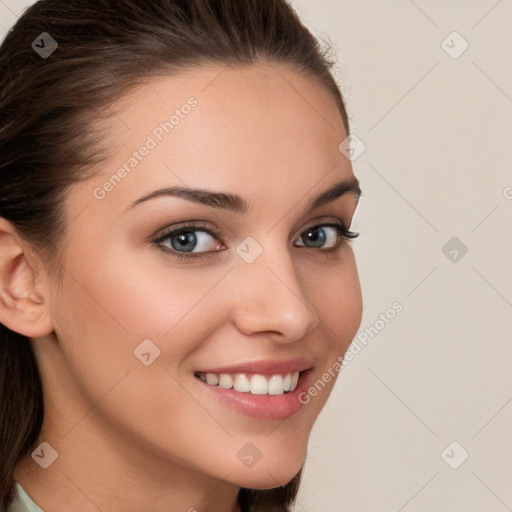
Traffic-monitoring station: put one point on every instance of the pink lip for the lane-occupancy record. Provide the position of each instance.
(264, 367)
(262, 407)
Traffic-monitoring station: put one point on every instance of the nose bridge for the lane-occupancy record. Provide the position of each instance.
(269, 295)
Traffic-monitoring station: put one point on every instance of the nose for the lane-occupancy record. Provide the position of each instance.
(268, 297)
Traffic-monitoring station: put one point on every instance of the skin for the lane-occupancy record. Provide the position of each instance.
(133, 437)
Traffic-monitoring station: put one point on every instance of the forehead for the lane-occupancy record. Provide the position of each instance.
(246, 130)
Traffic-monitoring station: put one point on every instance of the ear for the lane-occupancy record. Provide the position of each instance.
(23, 298)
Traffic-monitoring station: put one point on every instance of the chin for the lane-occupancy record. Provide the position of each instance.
(268, 476)
(264, 481)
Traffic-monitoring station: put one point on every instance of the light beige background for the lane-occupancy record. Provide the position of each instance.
(437, 164)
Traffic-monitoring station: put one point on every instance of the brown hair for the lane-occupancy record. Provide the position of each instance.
(48, 105)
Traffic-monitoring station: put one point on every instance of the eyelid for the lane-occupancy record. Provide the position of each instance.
(194, 224)
(208, 227)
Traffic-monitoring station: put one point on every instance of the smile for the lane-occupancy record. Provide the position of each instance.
(255, 384)
(264, 390)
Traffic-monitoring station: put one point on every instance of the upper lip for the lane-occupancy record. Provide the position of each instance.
(264, 367)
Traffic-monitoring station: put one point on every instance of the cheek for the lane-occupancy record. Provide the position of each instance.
(336, 295)
(105, 310)
(110, 303)
(143, 297)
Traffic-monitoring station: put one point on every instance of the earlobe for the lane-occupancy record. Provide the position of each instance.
(23, 308)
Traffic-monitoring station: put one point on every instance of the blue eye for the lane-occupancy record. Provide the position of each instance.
(190, 239)
(194, 241)
(339, 234)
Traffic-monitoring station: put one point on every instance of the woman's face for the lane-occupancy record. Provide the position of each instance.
(138, 322)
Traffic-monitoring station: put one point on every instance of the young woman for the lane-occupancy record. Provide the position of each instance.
(177, 283)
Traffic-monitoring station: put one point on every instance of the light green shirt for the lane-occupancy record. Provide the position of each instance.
(22, 501)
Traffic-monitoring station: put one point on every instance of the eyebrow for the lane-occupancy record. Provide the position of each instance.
(238, 204)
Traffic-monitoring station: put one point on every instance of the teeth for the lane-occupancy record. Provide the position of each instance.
(295, 379)
(212, 379)
(275, 385)
(255, 384)
(287, 382)
(225, 381)
(259, 385)
(242, 383)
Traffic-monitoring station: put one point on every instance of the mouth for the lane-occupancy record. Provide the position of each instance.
(255, 384)
(266, 391)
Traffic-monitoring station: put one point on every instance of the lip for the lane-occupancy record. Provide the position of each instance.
(262, 407)
(267, 367)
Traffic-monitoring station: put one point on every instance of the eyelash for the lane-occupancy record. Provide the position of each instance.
(344, 235)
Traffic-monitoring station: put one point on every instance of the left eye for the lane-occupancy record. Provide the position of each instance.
(318, 235)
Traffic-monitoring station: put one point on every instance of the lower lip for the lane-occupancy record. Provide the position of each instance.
(263, 407)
